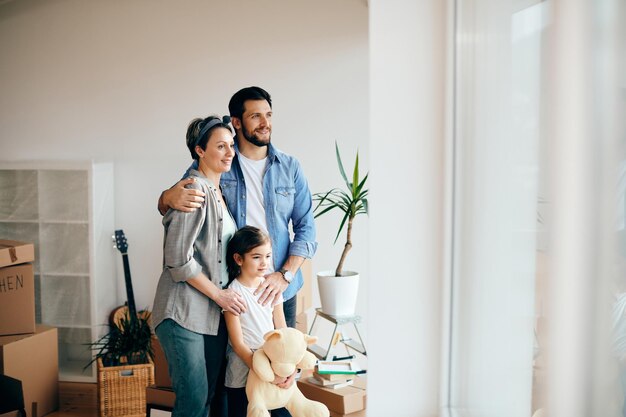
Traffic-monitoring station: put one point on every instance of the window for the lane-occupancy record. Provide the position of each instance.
(537, 282)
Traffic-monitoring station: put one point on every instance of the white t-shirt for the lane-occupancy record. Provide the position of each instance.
(255, 323)
(253, 172)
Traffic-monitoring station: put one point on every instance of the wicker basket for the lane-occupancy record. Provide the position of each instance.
(122, 389)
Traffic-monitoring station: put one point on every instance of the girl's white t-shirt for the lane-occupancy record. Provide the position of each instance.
(255, 323)
(257, 320)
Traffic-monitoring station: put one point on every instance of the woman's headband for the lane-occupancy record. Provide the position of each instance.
(217, 121)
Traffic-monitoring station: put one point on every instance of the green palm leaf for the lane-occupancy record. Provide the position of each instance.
(351, 202)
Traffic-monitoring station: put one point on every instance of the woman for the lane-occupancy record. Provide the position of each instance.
(192, 291)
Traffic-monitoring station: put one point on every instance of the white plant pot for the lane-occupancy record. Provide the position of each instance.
(338, 295)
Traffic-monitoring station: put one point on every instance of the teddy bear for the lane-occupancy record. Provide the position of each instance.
(283, 351)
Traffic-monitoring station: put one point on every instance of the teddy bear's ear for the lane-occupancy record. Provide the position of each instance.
(271, 333)
(310, 339)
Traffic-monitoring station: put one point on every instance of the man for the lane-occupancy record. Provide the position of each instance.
(265, 188)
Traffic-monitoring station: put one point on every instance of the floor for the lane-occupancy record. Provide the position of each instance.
(77, 400)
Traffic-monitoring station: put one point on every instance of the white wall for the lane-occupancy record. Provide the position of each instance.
(119, 81)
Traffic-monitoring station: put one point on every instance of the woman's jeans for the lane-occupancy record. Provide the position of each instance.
(195, 362)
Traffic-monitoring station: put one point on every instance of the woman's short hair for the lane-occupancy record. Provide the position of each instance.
(198, 134)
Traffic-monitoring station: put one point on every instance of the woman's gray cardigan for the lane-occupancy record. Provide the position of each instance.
(192, 244)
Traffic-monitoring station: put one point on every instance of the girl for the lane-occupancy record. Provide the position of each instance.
(248, 257)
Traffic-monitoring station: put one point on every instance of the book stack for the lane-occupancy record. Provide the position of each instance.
(335, 374)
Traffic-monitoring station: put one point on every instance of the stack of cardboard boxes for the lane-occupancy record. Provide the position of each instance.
(28, 352)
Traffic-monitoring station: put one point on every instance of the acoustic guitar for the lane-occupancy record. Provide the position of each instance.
(128, 310)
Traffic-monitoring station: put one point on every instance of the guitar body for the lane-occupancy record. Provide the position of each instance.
(123, 312)
(128, 310)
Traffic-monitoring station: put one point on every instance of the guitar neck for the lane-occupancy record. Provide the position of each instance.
(132, 310)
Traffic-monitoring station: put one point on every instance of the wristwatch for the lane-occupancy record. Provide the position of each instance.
(287, 275)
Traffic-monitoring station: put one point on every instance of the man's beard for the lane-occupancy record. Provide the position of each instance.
(252, 138)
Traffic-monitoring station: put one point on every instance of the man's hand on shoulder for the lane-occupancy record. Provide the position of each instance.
(181, 198)
(271, 288)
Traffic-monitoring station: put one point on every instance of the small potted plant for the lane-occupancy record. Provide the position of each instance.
(129, 342)
(339, 288)
(124, 359)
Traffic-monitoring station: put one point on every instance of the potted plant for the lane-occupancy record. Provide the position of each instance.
(339, 288)
(129, 342)
(124, 361)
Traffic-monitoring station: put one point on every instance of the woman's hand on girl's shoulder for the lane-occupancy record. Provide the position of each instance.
(231, 301)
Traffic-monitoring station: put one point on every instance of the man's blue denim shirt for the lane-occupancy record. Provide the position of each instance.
(287, 197)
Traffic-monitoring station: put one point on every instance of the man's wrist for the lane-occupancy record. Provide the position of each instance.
(287, 275)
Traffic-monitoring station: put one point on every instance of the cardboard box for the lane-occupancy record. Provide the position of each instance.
(161, 398)
(342, 400)
(302, 323)
(161, 370)
(13, 252)
(17, 299)
(34, 360)
(304, 300)
(361, 382)
(362, 413)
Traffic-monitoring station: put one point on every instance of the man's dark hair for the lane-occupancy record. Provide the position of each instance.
(236, 103)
